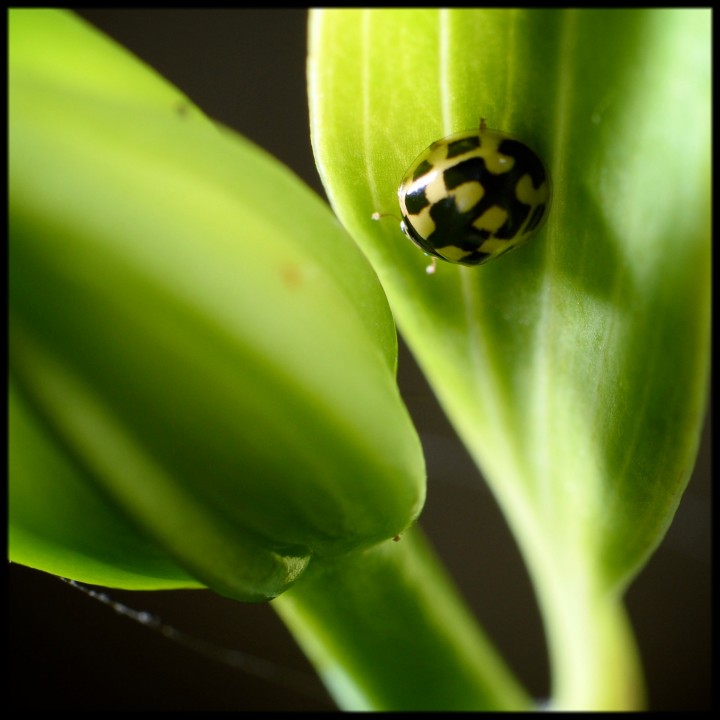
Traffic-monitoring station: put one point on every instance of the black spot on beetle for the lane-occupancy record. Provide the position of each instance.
(415, 201)
(422, 169)
(459, 147)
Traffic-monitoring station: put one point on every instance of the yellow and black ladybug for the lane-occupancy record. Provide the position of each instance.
(473, 196)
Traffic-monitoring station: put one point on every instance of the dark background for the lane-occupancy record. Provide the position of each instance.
(67, 651)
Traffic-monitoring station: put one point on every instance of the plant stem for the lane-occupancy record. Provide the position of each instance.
(386, 630)
(593, 657)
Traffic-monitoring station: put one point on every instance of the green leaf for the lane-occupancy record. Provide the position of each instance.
(575, 368)
(193, 327)
(63, 523)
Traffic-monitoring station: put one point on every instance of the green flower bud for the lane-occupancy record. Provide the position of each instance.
(193, 338)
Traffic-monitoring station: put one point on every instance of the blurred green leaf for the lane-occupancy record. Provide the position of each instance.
(63, 523)
(192, 326)
(575, 368)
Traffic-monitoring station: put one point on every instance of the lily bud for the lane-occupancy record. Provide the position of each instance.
(193, 338)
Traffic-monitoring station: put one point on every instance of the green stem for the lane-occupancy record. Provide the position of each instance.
(594, 662)
(386, 630)
(593, 657)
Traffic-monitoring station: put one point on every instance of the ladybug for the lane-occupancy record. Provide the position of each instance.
(473, 196)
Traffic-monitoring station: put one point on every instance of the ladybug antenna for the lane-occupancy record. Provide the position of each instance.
(380, 216)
